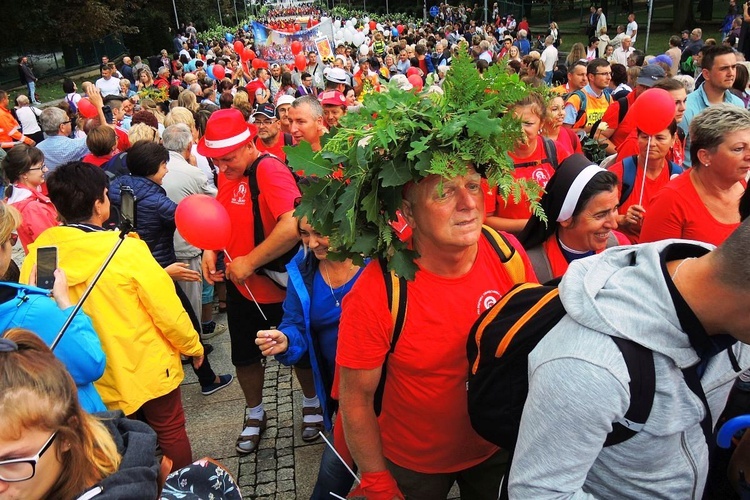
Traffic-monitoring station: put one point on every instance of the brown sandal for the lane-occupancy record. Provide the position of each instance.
(311, 430)
(251, 442)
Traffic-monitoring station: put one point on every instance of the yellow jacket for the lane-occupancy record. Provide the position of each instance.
(141, 323)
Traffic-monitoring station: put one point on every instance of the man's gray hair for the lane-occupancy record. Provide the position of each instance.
(315, 107)
(51, 119)
(177, 137)
(709, 127)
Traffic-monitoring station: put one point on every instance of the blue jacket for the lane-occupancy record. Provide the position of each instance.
(154, 215)
(296, 325)
(79, 350)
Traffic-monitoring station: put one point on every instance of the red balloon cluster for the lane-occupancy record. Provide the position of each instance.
(300, 62)
(259, 63)
(203, 222)
(653, 111)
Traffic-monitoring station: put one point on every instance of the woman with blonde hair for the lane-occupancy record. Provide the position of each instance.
(150, 105)
(75, 452)
(143, 132)
(514, 54)
(145, 79)
(189, 101)
(577, 52)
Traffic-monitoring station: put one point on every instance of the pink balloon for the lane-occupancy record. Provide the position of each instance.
(219, 71)
(416, 81)
(203, 222)
(654, 111)
(86, 109)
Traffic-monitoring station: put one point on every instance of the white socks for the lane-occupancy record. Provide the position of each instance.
(254, 413)
(311, 403)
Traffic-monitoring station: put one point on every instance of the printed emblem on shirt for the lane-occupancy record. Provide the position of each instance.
(239, 196)
(541, 176)
(487, 300)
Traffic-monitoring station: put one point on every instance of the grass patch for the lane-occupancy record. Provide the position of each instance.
(48, 90)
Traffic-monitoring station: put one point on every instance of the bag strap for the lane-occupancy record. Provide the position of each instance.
(551, 151)
(512, 260)
(629, 168)
(624, 104)
(640, 363)
(540, 263)
(252, 180)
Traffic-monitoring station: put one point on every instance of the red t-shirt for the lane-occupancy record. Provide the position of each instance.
(677, 211)
(424, 420)
(629, 147)
(96, 160)
(542, 172)
(276, 150)
(652, 187)
(277, 194)
(567, 142)
(612, 115)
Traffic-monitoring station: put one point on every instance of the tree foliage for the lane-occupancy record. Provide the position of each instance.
(399, 137)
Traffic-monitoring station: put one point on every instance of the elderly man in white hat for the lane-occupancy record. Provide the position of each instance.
(252, 187)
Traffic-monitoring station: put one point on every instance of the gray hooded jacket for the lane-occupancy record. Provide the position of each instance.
(578, 386)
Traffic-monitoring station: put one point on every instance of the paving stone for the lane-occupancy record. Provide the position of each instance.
(266, 454)
(265, 489)
(266, 476)
(285, 474)
(283, 452)
(266, 465)
(248, 491)
(285, 432)
(286, 461)
(287, 487)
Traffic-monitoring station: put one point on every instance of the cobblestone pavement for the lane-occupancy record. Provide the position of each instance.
(284, 467)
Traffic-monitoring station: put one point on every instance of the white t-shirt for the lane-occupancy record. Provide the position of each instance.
(27, 119)
(108, 87)
(549, 57)
(632, 31)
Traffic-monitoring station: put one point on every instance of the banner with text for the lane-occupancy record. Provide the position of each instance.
(276, 46)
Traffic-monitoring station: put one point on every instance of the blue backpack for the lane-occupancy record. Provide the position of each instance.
(629, 167)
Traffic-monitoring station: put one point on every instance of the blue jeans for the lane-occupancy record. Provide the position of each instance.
(548, 76)
(332, 476)
(32, 92)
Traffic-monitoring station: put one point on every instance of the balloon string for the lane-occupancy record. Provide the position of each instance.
(645, 169)
(248, 289)
(330, 445)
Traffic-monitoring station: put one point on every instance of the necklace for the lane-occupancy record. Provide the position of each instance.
(330, 283)
(677, 269)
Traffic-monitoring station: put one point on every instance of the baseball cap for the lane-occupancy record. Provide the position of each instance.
(266, 109)
(649, 75)
(284, 99)
(363, 60)
(332, 97)
(226, 131)
(274, 66)
(336, 75)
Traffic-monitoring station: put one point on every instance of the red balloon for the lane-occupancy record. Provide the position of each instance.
(296, 47)
(654, 111)
(203, 222)
(248, 54)
(238, 46)
(413, 71)
(400, 28)
(300, 62)
(257, 63)
(87, 109)
(416, 81)
(219, 71)
(373, 25)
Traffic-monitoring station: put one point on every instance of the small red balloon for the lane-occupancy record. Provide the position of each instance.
(400, 28)
(373, 25)
(413, 71)
(416, 81)
(296, 47)
(257, 63)
(248, 54)
(86, 109)
(203, 222)
(300, 62)
(239, 46)
(219, 71)
(654, 111)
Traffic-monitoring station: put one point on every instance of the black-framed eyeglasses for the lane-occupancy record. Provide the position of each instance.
(23, 469)
(41, 167)
(63, 123)
(264, 123)
(13, 239)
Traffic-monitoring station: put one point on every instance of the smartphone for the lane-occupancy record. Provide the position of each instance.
(108, 114)
(46, 263)
(127, 209)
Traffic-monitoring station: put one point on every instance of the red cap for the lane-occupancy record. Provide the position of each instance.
(226, 131)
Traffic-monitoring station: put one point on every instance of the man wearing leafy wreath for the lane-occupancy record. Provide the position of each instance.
(422, 154)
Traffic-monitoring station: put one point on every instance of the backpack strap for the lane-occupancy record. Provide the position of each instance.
(624, 104)
(551, 151)
(511, 259)
(395, 289)
(288, 139)
(540, 263)
(252, 180)
(582, 108)
(675, 169)
(640, 363)
(629, 168)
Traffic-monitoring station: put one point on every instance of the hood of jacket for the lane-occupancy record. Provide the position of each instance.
(622, 292)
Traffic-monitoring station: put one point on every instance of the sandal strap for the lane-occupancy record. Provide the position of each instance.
(310, 410)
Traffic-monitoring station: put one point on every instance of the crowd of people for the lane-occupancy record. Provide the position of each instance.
(212, 123)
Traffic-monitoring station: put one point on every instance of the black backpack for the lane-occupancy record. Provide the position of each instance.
(276, 269)
(498, 348)
(550, 156)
